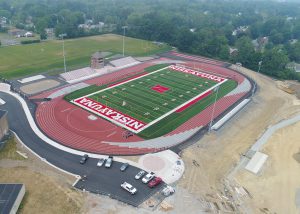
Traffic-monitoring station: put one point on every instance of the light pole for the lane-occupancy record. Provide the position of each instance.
(254, 87)
(213, 110)
(124, 27)
(62, 37)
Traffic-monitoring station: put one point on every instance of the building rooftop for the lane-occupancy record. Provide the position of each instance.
(98, 55)
(8, 196)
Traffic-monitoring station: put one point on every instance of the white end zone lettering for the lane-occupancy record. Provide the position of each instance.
(110, 114)
(197, 73)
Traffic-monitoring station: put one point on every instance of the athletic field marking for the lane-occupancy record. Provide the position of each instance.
(65, 109)
(130, 123)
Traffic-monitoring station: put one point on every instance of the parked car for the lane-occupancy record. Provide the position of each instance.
(124, 167)
(154, 182)
(108, 162)
(148, 177)
(100, 162)
(140, 174)
(84, 158)
(168, 190)
(128, 187)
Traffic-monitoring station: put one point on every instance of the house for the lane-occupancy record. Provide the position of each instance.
(239, 30)
(3, 21)
(260, 43)
(89, 26)
(233, 51)
(294, 66)
(293, 41)
(50, 32)
(16, 32)
(28, 34)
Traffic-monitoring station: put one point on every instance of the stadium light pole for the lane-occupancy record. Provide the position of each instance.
(124, 27)
(259, 66)
(62, 37)
(213, 110)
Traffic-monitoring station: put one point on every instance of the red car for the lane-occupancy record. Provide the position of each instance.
(154, 182)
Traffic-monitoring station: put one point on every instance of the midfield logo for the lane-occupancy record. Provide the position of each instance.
(160, 88)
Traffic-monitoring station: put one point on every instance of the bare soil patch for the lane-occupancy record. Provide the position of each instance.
(277, 186)
(217, 153)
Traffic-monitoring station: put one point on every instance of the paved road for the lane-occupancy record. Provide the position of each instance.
(99, 180)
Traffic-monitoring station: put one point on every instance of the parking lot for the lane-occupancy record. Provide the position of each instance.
(107, 181)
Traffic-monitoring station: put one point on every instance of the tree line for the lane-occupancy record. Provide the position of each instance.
(200, 27)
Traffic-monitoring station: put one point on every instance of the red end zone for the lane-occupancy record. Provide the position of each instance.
(110, 114)
(193, 101)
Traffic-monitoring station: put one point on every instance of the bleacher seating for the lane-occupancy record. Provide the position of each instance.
(76, 74)
(124, 62)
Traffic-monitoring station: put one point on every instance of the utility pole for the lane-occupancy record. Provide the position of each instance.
(62, 37)
(124, 27)
(213, 110)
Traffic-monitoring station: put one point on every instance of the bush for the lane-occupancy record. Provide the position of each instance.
(30, 41)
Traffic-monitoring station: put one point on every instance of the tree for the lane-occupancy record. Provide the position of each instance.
(274, 63)
(246, 53)
(43, 35)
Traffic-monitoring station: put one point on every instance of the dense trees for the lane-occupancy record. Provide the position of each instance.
(195, 26)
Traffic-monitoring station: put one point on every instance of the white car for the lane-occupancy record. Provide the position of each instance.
(168, 191)
(128, 187)
(148, 177)
(108, 162)
(140, 174)
(100, 162)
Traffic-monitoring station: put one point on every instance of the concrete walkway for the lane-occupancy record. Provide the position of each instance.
(271, 130)
(262, 141)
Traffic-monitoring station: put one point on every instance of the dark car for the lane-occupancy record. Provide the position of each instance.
(154, 182)
(124, 167)
(84, 158)
(140, 174)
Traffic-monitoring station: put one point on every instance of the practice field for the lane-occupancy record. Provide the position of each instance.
(145, 101)
(23, 60)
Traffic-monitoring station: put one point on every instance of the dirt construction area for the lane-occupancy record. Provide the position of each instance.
(277, 188)
(214, 156)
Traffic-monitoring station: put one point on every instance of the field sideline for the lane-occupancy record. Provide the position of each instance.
(24, 60)
(140, 102)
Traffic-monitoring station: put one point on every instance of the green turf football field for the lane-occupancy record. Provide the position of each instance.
(158, 96)
(146, 104)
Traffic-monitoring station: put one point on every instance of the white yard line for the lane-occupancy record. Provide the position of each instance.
(152, 122)
(113, 86)
(178, 107)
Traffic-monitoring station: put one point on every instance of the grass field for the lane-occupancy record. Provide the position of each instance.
(162, 95)
(24, 60)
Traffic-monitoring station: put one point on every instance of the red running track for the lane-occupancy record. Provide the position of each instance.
(70, 126)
